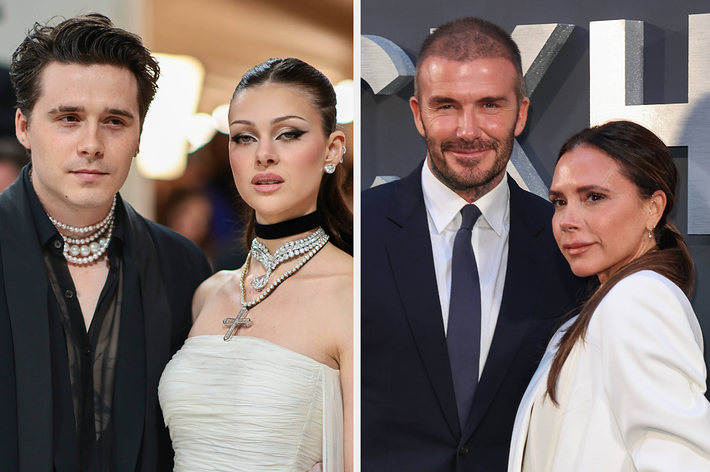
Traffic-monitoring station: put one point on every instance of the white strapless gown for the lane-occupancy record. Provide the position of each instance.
(251, 405)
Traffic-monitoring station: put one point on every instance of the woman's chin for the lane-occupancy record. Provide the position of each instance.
(581, 270)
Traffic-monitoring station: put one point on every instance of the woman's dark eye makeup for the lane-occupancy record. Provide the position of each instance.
(292, 134)
(242, 138)
(288, 135)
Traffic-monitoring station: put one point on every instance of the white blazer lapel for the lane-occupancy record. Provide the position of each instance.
(522, 419)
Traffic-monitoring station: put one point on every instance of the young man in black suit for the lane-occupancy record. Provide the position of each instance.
(462, 282)
(94, 299)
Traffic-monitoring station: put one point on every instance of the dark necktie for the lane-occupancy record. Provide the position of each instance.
(464, 328)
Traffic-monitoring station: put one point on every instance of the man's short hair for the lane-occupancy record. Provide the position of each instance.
(466, 39)
(89, 39)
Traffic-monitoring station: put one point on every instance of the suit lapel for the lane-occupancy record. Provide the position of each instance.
(158, 328)
(129, 412)
(522, 419)
(25, 281)
(537, 385)
(412, 263)
(519, 295)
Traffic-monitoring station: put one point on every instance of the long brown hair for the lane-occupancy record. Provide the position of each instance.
(647, 163)
(334, 212)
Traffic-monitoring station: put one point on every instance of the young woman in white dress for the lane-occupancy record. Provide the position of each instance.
(621, 386)
(264, 381)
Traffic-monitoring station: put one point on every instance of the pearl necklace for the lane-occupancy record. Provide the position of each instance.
(86, 250)
(285, 252)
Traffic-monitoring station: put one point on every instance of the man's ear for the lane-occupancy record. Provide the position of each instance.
(21, 129)
(417, 113)
(522, 117)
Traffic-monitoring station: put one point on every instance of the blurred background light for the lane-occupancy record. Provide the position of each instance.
(164, 146)
(220, 118)
(199, 130)
(346, 103)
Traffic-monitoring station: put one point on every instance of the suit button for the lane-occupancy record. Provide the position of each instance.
(463, 451)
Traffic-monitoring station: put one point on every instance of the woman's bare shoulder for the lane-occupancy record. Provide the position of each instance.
(339, 261)
(209, 288)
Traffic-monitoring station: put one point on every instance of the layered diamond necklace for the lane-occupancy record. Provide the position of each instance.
(241, 319)
(284, 253)
(306, 247)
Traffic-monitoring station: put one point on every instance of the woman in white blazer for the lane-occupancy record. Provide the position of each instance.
(621, 386)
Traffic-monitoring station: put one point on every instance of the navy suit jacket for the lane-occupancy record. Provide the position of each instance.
(409, 416)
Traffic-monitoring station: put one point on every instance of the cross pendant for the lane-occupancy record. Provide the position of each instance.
(239, 321)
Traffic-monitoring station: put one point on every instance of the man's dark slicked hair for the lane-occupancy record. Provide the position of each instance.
(89, 39)
(469, 38)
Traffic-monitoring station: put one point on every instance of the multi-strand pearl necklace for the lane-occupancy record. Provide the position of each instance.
(91, 247)
(284, 253)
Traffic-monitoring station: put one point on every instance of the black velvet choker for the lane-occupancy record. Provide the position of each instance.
(288, 228)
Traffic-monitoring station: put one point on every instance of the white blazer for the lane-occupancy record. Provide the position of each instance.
(631, 396)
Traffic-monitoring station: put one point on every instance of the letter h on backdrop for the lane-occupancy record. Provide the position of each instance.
(616, 91)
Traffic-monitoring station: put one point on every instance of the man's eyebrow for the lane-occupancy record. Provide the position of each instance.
(120, 112)
(439, 99)
(80, 109)
(66, 109)
(493, 99)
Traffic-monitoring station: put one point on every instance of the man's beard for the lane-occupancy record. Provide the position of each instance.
(471, 177)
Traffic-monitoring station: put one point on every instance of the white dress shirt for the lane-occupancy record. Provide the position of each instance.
(490, 246)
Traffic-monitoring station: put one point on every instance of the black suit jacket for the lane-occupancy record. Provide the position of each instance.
(409, 416)
(169, 268)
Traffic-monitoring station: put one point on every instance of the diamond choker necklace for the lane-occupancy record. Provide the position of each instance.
(241, 319)
(284, 253)
(94, 241)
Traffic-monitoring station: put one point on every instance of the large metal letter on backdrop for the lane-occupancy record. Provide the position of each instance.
(616, 91)
(539, 45)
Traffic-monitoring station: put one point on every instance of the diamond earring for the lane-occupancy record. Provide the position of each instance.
(329, 168)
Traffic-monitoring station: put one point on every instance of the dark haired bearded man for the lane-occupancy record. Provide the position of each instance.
(462, 282)
(94, 299)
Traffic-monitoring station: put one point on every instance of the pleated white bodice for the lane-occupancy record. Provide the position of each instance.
(251, 405)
